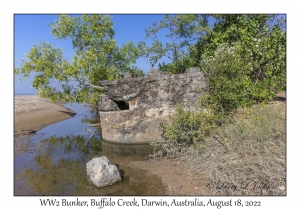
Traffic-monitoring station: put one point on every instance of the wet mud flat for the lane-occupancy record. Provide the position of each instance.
(32, 113)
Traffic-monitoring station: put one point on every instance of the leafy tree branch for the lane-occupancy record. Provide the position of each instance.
(96, 57)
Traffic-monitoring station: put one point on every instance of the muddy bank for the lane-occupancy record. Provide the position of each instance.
(32, 113)
(175, 177)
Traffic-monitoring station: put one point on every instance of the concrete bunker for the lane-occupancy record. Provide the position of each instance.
(131, 109)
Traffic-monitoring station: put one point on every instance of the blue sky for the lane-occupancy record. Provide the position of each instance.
(32, 29)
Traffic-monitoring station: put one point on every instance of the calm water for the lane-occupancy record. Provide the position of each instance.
(55, 163)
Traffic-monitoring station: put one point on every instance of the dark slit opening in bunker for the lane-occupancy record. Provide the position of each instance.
(123, 105)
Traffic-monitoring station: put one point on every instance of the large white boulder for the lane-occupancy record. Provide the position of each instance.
(102, 172)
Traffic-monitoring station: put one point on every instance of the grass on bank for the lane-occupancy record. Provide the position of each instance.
(244, 157)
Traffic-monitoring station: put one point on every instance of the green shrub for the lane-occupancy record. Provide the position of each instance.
(187, 127)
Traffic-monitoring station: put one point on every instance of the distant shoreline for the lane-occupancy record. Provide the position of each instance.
(24, 94)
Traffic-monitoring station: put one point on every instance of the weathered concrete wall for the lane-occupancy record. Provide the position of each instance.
(132, 108)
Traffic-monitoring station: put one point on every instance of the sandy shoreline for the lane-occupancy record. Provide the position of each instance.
(32, 113)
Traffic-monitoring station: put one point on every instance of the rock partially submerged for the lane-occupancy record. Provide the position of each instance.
(102, 173)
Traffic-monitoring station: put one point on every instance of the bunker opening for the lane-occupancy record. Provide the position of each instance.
(123, 105)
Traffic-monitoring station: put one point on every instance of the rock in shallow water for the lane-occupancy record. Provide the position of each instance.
(102, 173)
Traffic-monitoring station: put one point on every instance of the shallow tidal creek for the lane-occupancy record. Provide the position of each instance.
(54, 161)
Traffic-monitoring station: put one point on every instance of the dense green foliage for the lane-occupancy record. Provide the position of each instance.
(180, 31)
(96, 57)
(245, 61)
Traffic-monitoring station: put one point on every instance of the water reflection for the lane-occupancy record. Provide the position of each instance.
(79, 144)
(61, 168)
(53, 178)
(58, 164)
